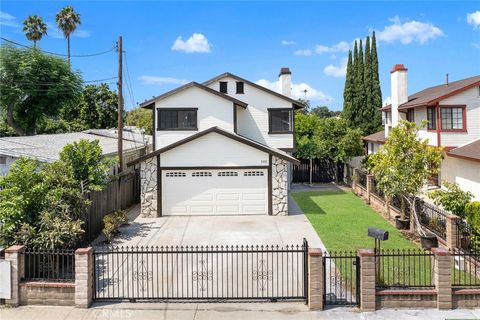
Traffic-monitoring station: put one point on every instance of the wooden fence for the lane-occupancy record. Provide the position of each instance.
(122, 192)
(323, 170)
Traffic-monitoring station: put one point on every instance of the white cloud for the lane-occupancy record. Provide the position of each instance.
(298, 90)
(474, 19)
(196, 43)
(342, 46)
(336, 71)
(54, 32)
(288, 42)
(475, 45)
(7, 20)
(161, 80)
(409, 31)
(305, 52)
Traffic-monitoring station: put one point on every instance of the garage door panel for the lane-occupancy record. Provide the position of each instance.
(213, 192)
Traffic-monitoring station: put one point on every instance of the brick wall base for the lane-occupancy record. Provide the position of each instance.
(47, 293)
(407, 299)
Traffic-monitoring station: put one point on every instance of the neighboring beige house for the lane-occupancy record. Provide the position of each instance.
(222, 147)
(47, 147)
(452, 110)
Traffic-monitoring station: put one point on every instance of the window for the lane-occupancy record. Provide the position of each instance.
(452, 118)
(177, 119)
(411, 115)
(432, 118)
(240, 87)
(223, 86)
(228, 174)
(201, 174)
(175, 174)
(280, 120)
(253, 173)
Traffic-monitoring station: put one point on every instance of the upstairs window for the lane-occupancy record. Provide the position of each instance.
(432, 118)
(177, 119)
(223, 86)
(280, 120)
(240, 86)
(411, 115)
(452, 118)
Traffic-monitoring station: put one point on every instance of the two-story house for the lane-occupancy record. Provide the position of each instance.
(221, 147)
(452, 110)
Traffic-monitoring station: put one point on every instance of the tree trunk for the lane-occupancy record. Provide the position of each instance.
(402, 207)
(11, 122)
(68, 46)
(311, 168)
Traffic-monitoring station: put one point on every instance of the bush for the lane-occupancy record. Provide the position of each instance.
(452, 199)
(112, 222)
(472, 211)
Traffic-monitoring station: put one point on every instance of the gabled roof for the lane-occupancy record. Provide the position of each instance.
(276, 152)
(470, 151)
(377, 137)
(430, 96)
(297, 104)
(150, 103)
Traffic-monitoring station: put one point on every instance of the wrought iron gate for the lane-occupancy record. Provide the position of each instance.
(211, 273)
(341, 279)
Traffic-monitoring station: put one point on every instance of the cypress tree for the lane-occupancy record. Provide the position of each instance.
(359, 99)
(369, 109)
(376, 95)
(348, 90)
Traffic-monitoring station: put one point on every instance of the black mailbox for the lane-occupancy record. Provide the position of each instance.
(377, 234)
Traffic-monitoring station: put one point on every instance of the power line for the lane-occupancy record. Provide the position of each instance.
(64, 88)
(57, 83)
(62, 54)
(129, 81)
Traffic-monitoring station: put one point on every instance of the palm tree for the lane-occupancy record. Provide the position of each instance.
(34, 29)
(67, 20)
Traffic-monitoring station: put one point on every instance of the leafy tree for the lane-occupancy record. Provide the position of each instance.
(67, 20)
(90, 168)
(306, 126)
(376, 94)
(324, 112)
(452, 199)
(96, 109)
(33, 86)
(359, 87)
(140, 118)
(404, 164)
(34, 29)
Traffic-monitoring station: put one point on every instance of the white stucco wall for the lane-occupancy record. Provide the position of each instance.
(464, 172)
(212, 111)
(4, 168)
(213, 149)
(253, 121)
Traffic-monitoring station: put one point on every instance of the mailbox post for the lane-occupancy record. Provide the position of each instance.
(379, 235)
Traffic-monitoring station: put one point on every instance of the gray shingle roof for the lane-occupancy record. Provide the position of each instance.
(46, 147)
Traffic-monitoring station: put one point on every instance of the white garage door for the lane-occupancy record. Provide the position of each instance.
(214, 192)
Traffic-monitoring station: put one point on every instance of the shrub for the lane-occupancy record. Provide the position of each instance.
(452, 199)
(112, 222)
(472, 211)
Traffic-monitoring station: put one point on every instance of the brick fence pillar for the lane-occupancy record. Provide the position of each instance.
(15, 255)
(452, 231)
(369, 187)
(367, 279)
(83, 277)
(442, 277)
(315, 279)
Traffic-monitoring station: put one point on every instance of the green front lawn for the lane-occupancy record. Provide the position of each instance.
(341, 219)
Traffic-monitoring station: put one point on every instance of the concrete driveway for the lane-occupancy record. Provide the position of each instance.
(217, 230)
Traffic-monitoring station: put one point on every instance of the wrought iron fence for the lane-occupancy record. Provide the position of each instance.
(376, 191)
(49, 265)
(362, 178)
(341, 278)
(467, 239)
(201, 273)
(467, 269)
(402, 269)
(433, 218)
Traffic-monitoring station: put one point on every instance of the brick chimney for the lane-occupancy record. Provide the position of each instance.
(285, 79)
(399, 91)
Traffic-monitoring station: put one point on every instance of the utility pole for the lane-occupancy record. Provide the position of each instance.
(120, 106)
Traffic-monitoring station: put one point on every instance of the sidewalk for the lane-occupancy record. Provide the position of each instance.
(213, 311)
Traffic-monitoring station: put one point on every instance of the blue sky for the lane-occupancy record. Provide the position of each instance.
(168, 43)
